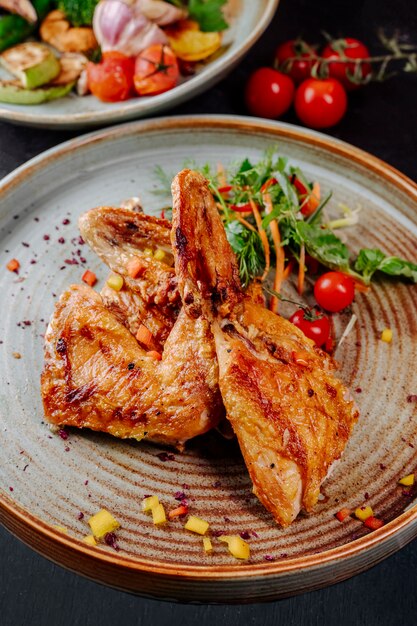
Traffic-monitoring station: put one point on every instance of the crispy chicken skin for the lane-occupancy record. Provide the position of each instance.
(291, 415)
(97, 376)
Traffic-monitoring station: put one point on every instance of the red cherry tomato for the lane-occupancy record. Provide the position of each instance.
(156, 70)
(314, 325)
(353, 49)
(111, 80)
(320, 103)
(269, 93)
(298, 70)
(334, 291)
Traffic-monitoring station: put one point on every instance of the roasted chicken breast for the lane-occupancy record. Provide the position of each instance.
(291, 415)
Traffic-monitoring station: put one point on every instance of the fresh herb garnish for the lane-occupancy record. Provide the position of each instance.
(208, 13)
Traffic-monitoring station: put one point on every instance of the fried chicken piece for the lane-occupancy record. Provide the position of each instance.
(97, 376)
(291, 415)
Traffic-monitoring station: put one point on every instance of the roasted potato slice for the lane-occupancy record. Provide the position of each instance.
(189, 43)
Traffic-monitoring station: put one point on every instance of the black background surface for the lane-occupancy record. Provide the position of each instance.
(382, 119)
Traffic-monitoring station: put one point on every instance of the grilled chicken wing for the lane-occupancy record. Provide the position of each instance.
(97, 376)
(291, 415)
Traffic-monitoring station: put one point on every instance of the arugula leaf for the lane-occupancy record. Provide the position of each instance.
(324, 246)
(209, 14)
(372, 260)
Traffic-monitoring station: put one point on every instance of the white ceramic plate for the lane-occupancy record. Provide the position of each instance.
(248, 20)
(47, 481)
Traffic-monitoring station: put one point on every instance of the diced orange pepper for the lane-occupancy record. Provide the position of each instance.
(13, 265)
(135, 267)
(343, 514)
(155, 355)
(373, 523)
(89, 278)
(180, 510)
(144, 335)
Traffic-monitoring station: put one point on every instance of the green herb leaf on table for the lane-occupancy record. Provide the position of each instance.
(371, 260)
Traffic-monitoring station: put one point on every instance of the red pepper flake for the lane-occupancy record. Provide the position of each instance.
(217, 533)
(25, 244)
(358, 389)
(382, 466)
(217, 484)
(269, 557)
(165, 456)
(67, 449)
(245, 534)
(71, 261)
(412, 398)
(111, 540)
(11, 489)
(81, 241)
(254, 534)
(283, 555)
(63, 433)
(27, 322)
(46, 237)
(32, 261)
(61, 240)
(80, 515)
(179, 495)
(185, 486)
(86, 482)
(66, 221)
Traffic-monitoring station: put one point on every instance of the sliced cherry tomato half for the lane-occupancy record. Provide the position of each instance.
(156, 70)
(320, 103)
(111, 80)
(315, 325)
(345, 71)
(334, 291)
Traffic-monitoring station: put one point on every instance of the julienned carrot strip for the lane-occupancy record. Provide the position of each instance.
(245, 223)
(144, 335)
(221, 175)
(263, 237)
(279, 253)
(180, 510)
(288, 270)
(301, 270)
(312, 201)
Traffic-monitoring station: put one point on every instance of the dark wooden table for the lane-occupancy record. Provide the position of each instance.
(381, 119)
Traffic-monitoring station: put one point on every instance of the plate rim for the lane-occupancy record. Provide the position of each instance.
(13, 515)
(213, 73)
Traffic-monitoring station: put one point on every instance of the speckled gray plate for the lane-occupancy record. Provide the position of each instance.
(247, 20)
(47, 481)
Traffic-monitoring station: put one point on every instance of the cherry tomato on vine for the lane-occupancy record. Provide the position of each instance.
(111, 80)
(269, 93)
(300, 69)
(353, 49)
(314, 325)
(334, 291)
(320, 103)
(156, 70)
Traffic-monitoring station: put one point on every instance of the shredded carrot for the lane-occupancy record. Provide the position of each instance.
(13, 265)
(301, 270)
(135, 267)
(279, 253)
(89, 278)
(144, 335)
(361, 287)
(312, 201)
(180, 510)
(288, 269)
(221, 174)
(263, 237)
(245, 223)
(155, 355)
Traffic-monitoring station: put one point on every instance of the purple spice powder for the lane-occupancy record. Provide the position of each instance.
(226, 519)
(179, 495)
(269, 557)
(80, 515)
(63, 434)
(111, 540)
(217, 484)
(217, 533)
(165, 456)
(366, 496)
(185, 486)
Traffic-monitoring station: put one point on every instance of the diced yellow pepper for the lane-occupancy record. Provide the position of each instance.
(158, 515)
(102, 523)
(207, 545)
(89, 540)
(150, 503)
(115, 282)
(148, 252)
(159, 254)
(386, 335)
(363, 512)
(408, 480)
(237, 546)
(61, 529)
(196, 525)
